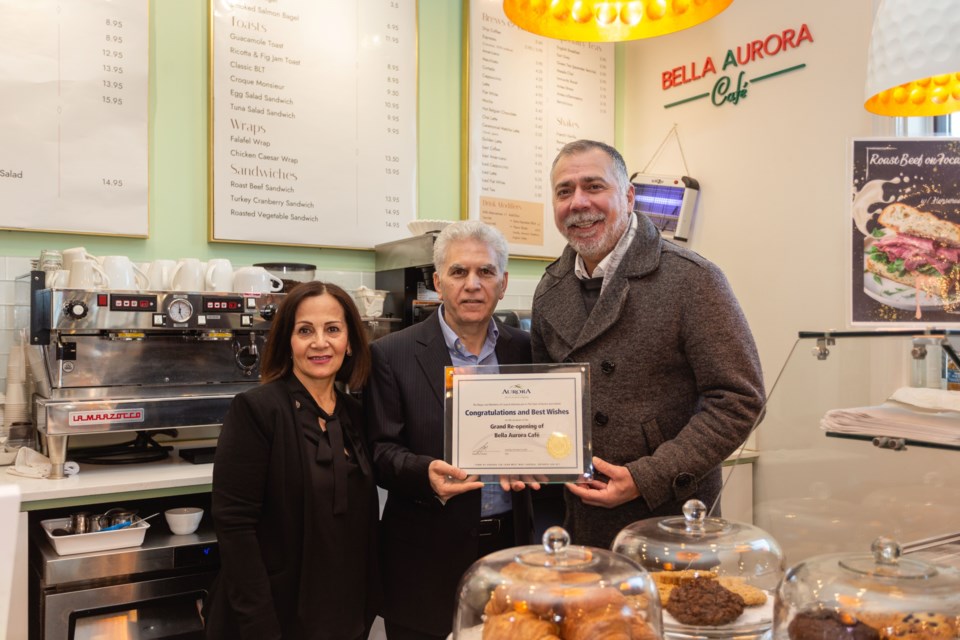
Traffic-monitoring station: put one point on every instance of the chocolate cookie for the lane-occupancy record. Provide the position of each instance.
(704, 603)
(823, 624)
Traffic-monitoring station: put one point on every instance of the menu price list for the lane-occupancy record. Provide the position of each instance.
(314, 128)
(73, 131)
(529, 96)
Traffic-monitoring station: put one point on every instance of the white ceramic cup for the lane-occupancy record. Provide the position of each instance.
(219, 275)
(255, 280)
(188, 275)
(76, 253)
(160, 274)
(123, 274)
(87, 274)
(16, 394)
(58, 279)
(183, 520)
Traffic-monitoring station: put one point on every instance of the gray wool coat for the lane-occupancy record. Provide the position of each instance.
(675, 382)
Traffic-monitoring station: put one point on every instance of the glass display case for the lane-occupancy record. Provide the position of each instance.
(860, 439)
(557, 591)
(871, 595)
(715, 577)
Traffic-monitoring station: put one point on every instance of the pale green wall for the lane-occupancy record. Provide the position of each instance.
(178, 130)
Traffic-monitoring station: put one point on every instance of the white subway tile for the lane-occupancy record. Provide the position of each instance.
(522, 286)
(16, 266)
(524, 302)
(346, 279)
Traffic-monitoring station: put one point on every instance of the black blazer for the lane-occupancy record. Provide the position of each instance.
(426, 546)
(280, 572)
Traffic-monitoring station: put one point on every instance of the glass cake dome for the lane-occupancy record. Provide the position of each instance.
(716, 578)
(556, 591)
(880, 595)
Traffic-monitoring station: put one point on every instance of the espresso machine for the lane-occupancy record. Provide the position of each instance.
(109, 361)
(404, 269)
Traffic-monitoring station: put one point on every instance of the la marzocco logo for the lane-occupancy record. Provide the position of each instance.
(78, 418)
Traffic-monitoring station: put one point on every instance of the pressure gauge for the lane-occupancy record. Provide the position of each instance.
(180, 310)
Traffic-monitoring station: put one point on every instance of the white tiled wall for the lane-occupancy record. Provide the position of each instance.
(519, 296)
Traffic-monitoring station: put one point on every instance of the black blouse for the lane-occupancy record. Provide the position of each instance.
(344, 493)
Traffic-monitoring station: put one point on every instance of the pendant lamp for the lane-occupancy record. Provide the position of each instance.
(607, 20)
(913, 68)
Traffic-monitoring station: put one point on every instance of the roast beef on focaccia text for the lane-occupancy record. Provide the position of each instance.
(916, 244)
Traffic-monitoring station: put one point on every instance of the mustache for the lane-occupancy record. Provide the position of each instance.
(581, 218)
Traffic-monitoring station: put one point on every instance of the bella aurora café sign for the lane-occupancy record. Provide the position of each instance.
(730, 82)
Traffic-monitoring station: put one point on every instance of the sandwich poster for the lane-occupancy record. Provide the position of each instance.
(906, 231)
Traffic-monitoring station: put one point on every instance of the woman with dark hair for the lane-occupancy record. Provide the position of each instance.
(294, 501)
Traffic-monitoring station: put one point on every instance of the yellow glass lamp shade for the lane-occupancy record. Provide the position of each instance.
(607, 20)
(913, 68)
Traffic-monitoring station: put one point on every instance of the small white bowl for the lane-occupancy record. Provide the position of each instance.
(183, 520)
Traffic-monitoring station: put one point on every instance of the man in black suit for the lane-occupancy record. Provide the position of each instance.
(437, 520)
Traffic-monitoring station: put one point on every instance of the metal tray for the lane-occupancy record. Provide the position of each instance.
(73, 543)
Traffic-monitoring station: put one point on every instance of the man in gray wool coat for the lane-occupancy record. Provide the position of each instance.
(676, 384)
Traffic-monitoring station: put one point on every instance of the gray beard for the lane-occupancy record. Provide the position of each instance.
(596, 250)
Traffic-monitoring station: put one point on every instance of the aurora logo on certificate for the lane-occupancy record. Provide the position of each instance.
(518, 419)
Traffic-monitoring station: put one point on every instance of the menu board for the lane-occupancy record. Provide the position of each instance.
(528, 96)
(73, 122)
(314, 121)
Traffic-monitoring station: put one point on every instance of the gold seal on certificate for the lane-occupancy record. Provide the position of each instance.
(519, 420)
(558, 446)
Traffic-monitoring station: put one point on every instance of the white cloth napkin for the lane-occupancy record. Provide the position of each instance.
(33, 464)
(925, 418)
(369, 301)
(934, 399)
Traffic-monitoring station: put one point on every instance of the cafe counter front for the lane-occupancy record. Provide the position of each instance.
(95, 488)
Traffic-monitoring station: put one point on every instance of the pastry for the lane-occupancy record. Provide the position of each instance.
(752, 596)
(606, 625)
(682, 577)
(911, 626)
(664, 591)
(578, 601)
(704, 603)
(517, 571)
(825, 624)
(519, 626)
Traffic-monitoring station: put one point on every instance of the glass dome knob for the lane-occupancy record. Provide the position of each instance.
(886, 550)
(694, 513)
(556, 540)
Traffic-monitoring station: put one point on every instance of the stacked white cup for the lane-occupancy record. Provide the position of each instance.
(15, 409)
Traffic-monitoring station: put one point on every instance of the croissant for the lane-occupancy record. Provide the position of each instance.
(518, 626)
(545, 602)
(529, 573)
(597, 625)
(578, 601)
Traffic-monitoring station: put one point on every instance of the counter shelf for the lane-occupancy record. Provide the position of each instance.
(818, 492)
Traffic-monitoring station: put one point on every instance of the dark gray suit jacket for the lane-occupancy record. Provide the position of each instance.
(426, 546)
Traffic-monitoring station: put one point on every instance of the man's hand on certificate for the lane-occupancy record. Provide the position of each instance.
(519, 483)
(620, 487)
(448, 481)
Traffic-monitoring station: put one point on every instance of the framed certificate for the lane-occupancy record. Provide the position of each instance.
(528, 420)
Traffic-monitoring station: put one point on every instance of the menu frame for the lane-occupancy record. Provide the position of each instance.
(565, 115)
(332, 201)
(66, 179)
